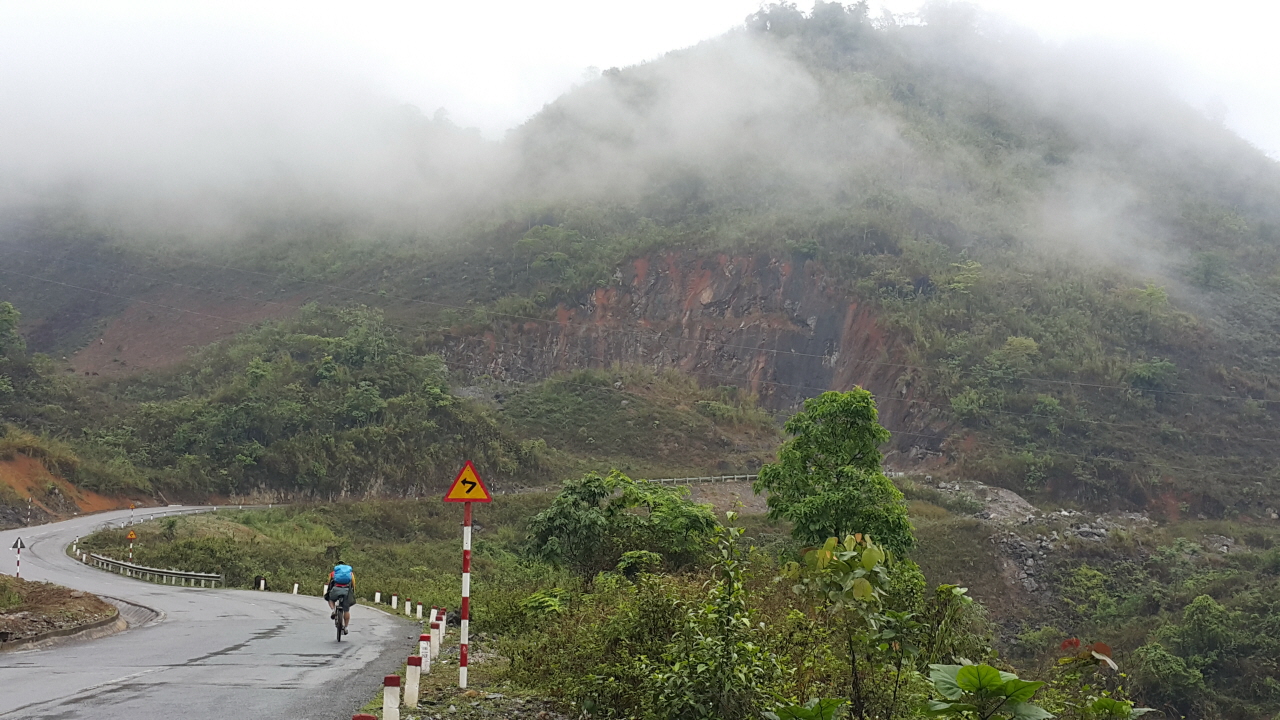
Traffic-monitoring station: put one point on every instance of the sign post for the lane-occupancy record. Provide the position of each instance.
(131, 508)
(132, 536)
(17, 545)
(466, 489)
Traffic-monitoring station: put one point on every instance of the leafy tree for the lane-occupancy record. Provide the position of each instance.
(11, 343)
(828, 481)
(597, 521)
(717, 666)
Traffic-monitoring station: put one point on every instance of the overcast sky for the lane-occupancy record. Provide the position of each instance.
(492, 64)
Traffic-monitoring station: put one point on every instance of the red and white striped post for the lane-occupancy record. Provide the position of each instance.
(412, 672)
(391, 697)
(467, 488)
(464, 629)
(436, 636)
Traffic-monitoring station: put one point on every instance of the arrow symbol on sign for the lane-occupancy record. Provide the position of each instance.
(17, 544)
(471, 485)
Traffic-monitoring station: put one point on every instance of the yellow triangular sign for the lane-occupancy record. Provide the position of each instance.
(468, 487)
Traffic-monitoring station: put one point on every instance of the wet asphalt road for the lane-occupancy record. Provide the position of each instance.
(225, 654)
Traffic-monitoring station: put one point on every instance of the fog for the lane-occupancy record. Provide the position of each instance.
(151, 122)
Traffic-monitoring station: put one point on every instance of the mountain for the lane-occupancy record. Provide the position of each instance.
(1055, 276)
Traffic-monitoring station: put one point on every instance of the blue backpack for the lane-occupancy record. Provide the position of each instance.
(342, 575)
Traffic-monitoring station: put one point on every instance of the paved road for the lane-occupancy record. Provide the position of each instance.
(212, 653)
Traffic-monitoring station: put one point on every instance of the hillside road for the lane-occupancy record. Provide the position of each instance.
(210, 654)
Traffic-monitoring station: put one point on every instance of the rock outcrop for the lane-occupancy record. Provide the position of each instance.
(779, 328)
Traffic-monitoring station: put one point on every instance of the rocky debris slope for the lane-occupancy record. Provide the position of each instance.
(29, 609)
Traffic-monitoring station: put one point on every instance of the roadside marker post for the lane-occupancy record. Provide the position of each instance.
(295, 588)
(395, 600)
(391, 697)
(467, 488)
(412, 672)
(424, 649)
(435, 638)
(18, 545)
(377, 598)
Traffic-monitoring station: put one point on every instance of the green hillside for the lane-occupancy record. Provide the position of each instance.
(1076, 270)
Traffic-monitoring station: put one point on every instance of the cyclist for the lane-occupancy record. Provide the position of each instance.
(342, 588)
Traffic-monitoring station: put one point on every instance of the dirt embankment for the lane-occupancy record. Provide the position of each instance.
(29, 609)
(783, 330)
(52, 497)
(161, 330)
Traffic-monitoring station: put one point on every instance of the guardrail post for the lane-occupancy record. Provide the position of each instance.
(391, 697)
(436, 636)
(412, 671)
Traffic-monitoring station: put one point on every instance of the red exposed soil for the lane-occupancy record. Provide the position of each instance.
(29, 478)
(162, 330)
(784, 332)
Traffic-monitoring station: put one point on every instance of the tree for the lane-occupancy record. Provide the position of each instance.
(828, 481)
(593, 523)
(11, 343)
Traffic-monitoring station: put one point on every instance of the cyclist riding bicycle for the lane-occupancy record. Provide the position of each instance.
(342, 588)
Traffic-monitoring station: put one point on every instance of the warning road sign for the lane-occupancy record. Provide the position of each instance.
(468, 487)
(17, 544)
(132, 535)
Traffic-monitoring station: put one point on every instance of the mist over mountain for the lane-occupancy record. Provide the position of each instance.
(1063, 261)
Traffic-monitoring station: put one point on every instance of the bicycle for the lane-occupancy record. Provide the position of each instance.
(340, 610)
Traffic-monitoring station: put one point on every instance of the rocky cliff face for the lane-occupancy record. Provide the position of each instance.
(775, 327)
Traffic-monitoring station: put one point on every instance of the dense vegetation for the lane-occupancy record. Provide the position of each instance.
(1078, 268)
(1078, 276)
(338, 403)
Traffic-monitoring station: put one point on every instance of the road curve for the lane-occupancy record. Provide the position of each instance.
(211, 653)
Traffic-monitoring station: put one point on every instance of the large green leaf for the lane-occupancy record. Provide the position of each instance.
(815, 709)
(943, 678)
(982, 679)
(862, 590)
(1027, 711)
(871, 556)
(1020, 690)
(937, 707)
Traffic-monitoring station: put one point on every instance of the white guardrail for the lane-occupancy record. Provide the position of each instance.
(156, 575)
(163, 576)
(663, 481)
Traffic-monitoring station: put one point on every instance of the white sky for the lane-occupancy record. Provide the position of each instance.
(494, 63)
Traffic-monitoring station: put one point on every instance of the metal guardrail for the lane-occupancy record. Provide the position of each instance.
(663, 481)
(705, 480)
(156, 575)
